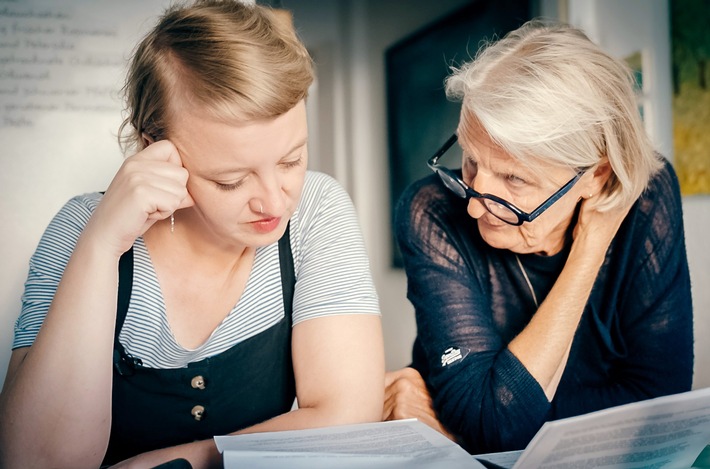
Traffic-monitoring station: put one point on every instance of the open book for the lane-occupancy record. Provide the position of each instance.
(667, 432)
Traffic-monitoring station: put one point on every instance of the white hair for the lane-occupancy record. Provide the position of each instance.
(546, 92)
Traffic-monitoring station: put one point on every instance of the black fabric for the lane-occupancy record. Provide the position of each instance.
(247, 384)
(634, 340)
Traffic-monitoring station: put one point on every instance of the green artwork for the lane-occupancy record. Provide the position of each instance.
(690, 32)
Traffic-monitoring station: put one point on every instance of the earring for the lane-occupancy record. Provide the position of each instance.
(172, 223)
(590, 195)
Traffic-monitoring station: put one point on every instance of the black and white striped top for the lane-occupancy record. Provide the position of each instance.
(330, 262)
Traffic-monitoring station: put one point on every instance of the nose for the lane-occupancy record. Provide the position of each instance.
(475, 208)
(480, 184)
(270, 197)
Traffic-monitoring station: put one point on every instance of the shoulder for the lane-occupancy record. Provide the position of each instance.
(654, 229)
(63, 231)
(421, 194)
(426, 208)
(80, 206)
(660, 206)
(663, 186)
(322, 199)
(78, 209)
(320, 188)
(73, 216)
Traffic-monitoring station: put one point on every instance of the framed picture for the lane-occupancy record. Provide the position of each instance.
(420, 118)
(690, 20)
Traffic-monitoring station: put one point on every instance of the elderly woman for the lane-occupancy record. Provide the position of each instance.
(549, 275)
(214, 281)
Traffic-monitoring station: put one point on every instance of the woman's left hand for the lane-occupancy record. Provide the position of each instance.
(406, 396)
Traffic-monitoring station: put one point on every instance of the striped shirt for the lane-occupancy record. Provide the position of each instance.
(330, 263)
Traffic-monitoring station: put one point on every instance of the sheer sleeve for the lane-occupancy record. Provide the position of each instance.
(480, 390)
(640, 312)
(634, 340)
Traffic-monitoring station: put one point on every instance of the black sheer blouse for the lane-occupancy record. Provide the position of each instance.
(634, 341)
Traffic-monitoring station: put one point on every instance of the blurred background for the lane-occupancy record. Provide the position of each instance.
(376, 112)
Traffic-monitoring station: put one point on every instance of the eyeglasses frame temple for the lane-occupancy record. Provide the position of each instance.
(552, 199)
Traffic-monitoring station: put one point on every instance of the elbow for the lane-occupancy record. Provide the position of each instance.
(357, 409)
(348, 408)
(368, 409)
(20, 449)
(42, 457)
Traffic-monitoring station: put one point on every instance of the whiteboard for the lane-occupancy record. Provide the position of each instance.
(62, 65)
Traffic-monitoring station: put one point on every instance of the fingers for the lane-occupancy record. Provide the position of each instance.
(165, 152)
(405, 373)
(406, 396)
(148, 187)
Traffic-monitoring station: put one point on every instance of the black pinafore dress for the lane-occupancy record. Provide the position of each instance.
(242, 386)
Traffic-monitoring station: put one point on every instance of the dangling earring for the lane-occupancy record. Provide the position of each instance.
(172, 223)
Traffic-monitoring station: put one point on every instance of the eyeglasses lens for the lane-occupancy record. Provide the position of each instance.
(452, 184)
(500, 211)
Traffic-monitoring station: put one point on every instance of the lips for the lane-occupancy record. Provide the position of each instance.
(266, 225)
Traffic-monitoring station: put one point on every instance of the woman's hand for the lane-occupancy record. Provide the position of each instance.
(406, 396)
(544, 345)
(596, 226)
(148, 187)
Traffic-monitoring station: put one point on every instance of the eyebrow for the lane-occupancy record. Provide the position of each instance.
(516, 169)
(219, 173)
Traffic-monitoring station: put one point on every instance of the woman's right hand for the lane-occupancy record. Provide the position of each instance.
(148, 187)
(598, 228)
(406, 396)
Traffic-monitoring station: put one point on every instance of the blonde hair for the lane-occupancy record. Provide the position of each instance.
(546, 92)
(231, 60)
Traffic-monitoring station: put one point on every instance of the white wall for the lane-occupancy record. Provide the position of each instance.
(47, 157)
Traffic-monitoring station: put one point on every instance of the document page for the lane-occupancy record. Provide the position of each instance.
(396, 444)
(502, 460)
(667, 432)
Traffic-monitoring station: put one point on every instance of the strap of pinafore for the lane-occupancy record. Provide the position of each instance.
(125, 363)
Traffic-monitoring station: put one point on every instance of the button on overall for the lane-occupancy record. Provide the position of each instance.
(198, 382)
(197, 412)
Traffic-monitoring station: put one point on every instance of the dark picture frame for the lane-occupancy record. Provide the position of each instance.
(419, 116)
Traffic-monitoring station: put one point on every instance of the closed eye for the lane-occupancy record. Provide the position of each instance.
(515, 180)
(293, 163)
(230, 187)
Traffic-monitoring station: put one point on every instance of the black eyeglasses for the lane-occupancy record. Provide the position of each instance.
(500, 208)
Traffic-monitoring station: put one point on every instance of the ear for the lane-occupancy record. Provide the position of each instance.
(600, 175)
(146, 139)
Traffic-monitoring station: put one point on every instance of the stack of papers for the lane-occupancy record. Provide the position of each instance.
(667, 432)
(396, 444)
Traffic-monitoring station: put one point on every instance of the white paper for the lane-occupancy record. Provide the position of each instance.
(396, 444)
(504, 459)
(667, 432)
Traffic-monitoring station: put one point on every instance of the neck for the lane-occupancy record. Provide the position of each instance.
(197, 246)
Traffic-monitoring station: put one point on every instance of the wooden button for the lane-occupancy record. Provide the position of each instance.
(198, 382)
(197, 412)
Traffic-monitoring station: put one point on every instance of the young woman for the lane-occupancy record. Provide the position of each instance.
(213, 282)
